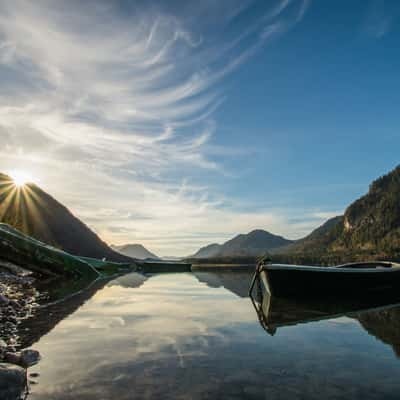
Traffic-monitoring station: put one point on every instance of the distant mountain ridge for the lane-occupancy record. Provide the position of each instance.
(369, 228)
(135, 251)
(320, 238)
(253, 244)
(35, 213)
(208, 251)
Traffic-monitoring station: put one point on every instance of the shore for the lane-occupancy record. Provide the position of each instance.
(18, 302)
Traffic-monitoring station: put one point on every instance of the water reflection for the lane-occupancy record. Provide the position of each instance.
(66, 297)
(55, 310)
(384, 324)
(378, 315)
(186, 336)
(140, 341)
(236, 282)
(132, 280)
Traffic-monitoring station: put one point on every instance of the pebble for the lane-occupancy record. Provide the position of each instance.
(17, 302)
(4, 300)
(12, 382)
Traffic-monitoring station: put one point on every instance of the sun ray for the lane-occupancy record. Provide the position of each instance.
(21, 207)
(21, 178)
(36, 210)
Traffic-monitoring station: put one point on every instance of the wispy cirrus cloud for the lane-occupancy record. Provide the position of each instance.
(112, 105)
(379, 18)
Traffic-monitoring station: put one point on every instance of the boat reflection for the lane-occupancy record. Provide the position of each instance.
(378, 315)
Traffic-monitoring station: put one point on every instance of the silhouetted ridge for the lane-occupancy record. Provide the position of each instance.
(135, 251)
(37, 214)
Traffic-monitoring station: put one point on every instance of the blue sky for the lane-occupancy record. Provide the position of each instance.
(175, 124)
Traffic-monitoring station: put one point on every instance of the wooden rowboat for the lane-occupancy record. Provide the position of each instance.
(346, 279)
(371, 308)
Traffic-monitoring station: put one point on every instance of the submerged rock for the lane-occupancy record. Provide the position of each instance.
(24, 358)
(29, 357)
(12, 382)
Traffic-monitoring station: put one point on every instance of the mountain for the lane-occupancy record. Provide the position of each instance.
(135, 251)
(253, 244)
(369, 228)
(318, 240)
(208, 251)
(35, 213)
(372, 223)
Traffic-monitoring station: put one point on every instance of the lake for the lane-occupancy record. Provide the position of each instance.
(198, 336)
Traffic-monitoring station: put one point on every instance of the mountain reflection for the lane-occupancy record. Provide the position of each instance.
(378, 315)
(132, 280)
(236, 282)
(178, 336)
(384, 324)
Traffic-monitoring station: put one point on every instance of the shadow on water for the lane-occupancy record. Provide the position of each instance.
(67, 296)
(64, 298)
(379, 314)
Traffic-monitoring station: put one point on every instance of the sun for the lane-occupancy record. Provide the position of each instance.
(21, 178)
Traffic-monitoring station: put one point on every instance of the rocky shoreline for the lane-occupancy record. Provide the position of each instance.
(18, 302)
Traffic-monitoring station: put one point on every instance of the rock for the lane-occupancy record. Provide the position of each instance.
(12, 382)
(3, 300)
(29, 357)
(12, 319)
(15, 304)
(8, 311)
(3, 348)
(9, 325)
(13, 358)
(24, 358)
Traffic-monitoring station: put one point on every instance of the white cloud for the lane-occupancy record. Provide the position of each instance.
(114, 111)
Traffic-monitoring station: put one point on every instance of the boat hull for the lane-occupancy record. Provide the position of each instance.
(308, 281)
(275, 312)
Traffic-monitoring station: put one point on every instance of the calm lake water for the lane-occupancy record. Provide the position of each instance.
(197, 336)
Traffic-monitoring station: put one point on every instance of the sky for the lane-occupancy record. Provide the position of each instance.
(176, 124)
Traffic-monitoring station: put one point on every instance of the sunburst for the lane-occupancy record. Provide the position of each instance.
(21, 178)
